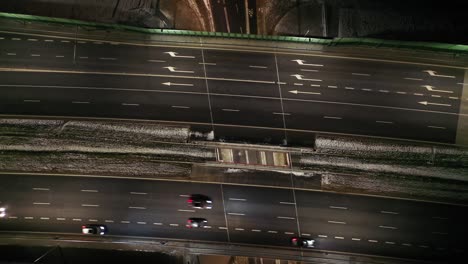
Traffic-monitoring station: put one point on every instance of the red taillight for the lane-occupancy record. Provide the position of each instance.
(189, 201)
(83, 227)
(294, 239)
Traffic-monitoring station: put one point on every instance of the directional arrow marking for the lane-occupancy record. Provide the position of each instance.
(429, 103)
(434, 73)
(299, 92)
(301, 62)
(300, 77)
(172, 69)
(177, 84)
(174, 54)
(431, 88)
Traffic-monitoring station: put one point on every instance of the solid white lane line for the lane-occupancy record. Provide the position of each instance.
(109, 221)
(360, 74)
(324, 236)
(128, 104)
(440, 217)
(92, 220)
(186, 210)
(332, 117)
(298, 84)
(39, 203)
(44, 218)
(238, 199)
(94, 191)
(387, 227)
(276, 113)
(32, 101)
(406, 244)
(59, 56)
(157, 224)
(76, 219)
(90, 205)
(104, 58)
(139, 193)
(337, 222)
(61, 219)
(256, 230)
(230, 110)
(239, 229)
(258, 67)
(12, 217)
(401, 92)
(272, 231)
(439, 233)
(372, 241)
(79, 102)
(125, 222)
(413, 79)
(156, 61)
(141, 223)
(235, 214)
(32, 39)
(288, 233)
(349, 88)
(339, 237)
(35, 55)
(339, 207)
(285, 217)
(40, 189)
(307, 70)
(222, 227)
(356, 239)
(174, 224)
(436, 127)
(366, 89)
(28, 217)
(332, 86)
(137, 207)
(180, 106)
(287, 203)
(11, 54)
(384, 122)
(390, 242)
(389, 212)
(315, 85)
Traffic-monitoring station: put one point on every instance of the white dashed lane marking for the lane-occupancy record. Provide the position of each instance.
(137, 207)
(139, 193)
(337, 222)
(90, 205)
(40, 189)
(324, 236)
(40, 203)
(355, 239)
(94, 191)
(286, 217)
(389, 212)
(387, 227)
(339, 207)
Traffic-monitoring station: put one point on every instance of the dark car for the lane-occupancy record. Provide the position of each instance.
(196, 222)
(94, 229)
(302, 242)
(200, 201)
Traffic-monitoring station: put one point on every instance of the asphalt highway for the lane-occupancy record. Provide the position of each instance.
(281, 93)
(240, 214)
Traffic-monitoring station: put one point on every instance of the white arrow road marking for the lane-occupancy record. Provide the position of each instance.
(174, 54)
(177, 84)
(299, 92)
(429, 103)
(172, 69)
(434, 73)
(300, 77)
(431, 88)
(301, 62)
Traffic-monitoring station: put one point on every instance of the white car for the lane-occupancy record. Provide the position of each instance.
(94, 229)
(2, 212)
(302, 242)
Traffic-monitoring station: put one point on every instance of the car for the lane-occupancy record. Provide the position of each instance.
(302, 242)
(94, 229)
(200, 201)
(2, 212)
(196, 222)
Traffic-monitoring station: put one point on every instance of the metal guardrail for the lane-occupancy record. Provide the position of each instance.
(368, 42)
